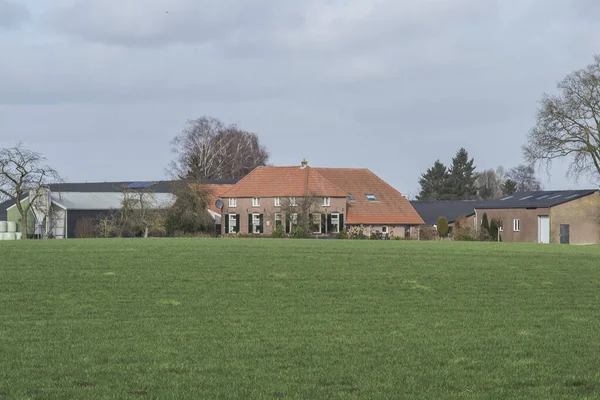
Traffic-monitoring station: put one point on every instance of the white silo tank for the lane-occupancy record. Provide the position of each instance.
(11, 227)
(3, 226)
(10, 236)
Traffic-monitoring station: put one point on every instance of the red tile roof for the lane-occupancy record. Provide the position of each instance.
(284, 182)
(390, 206)
(215, 194)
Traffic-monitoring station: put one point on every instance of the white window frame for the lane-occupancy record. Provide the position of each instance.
(255, 223)
(255, 202)
(294, 221)
(326, 201)
(516, 225)
(278, 217)
(232, 202)
(293, 202)
(385, 229)
(277, 201)
(231, 226)
(337, 219)
(501, 227)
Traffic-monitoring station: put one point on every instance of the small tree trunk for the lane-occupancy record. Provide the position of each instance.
(146, 233)
(24, 226)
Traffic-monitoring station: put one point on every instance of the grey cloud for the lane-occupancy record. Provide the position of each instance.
(157, 23)
(421, 77)
(12, 14)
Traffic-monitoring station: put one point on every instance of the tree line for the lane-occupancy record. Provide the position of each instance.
(461, 181)
(567, 127)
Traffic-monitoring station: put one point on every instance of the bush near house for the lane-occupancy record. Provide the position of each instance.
(442, 227)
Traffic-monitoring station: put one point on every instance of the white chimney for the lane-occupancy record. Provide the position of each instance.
(303, 164)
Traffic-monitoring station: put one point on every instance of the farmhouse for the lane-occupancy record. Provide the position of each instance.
(342, 198)
(569, 216)
(63, 205)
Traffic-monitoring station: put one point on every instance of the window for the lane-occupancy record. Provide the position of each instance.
(371, 197)
(501, 227)
(232, 202)
(316, 223)
(406, 231)
(232, 223)
(294, 219)
(256, 223)
(277, 220)
(351, 198)
(293, 201)
(277, 202)
(326, 201)
(335, 223)
(517, 225)
(255, 202)
(384, 230)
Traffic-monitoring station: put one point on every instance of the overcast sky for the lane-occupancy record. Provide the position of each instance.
(101, 86)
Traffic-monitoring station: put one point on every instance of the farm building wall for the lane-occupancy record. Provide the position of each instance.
(75, 215)
(583, 217)
(528, 221)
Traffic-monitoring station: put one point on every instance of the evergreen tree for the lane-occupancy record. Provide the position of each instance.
(509, 187)
(462, 177)
(485, 224)
(434, 183)
(442, 226)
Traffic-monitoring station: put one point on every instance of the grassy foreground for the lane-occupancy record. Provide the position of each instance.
(268, 319)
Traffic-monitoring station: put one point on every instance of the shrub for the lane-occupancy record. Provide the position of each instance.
(467, 237)
(343, 234)
(442, 226)
(279, 232)
(85, 228)
(356, 233)
(427, 233)
(299, 233)
(373, 236)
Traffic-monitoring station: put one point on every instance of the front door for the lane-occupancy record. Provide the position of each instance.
(565, 234)
(544, 229)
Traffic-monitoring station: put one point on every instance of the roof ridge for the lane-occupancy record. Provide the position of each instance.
(332, 184)
(382, 180)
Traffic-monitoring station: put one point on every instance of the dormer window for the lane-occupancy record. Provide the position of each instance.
(232, 202)
(326, 201)
(255, 202)
(277, 202)
(293, 201)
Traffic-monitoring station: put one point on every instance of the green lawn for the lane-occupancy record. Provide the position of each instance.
(269, 319)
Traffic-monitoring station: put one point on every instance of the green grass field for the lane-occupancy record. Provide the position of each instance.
(269, 319)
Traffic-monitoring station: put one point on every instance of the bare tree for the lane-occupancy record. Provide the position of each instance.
(209, 149)
(141, 212)
(525, 178)
(568, 124)
(24, 174)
